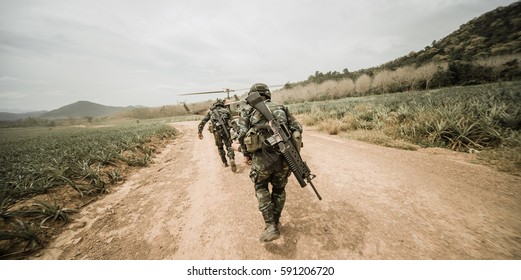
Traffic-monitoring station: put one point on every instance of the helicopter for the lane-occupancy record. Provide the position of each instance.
(234, 104)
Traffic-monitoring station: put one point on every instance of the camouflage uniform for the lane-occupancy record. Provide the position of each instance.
(242, 127)
(267, 165)
(218, 131)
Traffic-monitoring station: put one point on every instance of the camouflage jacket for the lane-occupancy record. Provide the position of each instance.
(213, 116)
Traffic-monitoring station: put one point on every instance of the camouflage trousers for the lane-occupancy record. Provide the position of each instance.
(266, 169)
(222, 142)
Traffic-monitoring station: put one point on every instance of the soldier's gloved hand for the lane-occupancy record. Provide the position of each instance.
(200, 135)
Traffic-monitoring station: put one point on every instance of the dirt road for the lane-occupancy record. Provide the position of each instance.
(378, 203)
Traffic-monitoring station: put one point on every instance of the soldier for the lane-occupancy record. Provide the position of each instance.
(268, 166)
(219, 126)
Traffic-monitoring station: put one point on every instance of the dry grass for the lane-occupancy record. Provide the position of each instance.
(379, 138)
(476, 118)
(342, 128)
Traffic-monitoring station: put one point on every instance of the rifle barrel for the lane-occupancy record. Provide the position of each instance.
(315, 190)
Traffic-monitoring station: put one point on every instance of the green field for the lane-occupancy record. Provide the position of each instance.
(33, 160)
(54, 165)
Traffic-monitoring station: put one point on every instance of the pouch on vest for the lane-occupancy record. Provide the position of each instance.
(253, 140)
(252, 143)
(210, 127)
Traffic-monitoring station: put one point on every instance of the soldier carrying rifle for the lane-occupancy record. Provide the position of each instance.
(271, 136)
(219, 126)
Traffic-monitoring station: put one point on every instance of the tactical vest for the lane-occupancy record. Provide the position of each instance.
(259, 127)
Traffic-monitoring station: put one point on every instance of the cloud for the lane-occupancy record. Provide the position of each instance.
(143, 53)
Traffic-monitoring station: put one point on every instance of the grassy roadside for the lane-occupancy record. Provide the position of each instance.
(482, 119)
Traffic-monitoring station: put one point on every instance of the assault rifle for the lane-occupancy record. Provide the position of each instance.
(221, 123)
(281, 141)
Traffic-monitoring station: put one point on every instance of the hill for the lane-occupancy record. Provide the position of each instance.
(82, 109)
(495, 33)
(4, 116)
(492, 35)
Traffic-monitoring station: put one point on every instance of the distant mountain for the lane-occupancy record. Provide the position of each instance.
(14, 111)
(80, 109)
(4, 116)
(83, 109)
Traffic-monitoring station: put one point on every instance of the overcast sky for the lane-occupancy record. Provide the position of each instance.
(120, 53)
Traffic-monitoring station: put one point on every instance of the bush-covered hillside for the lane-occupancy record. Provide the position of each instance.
(486, 49)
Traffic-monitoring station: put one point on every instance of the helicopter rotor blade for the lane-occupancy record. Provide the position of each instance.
(226, 90)
(202, 92)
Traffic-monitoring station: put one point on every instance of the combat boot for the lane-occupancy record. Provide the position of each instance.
(225, 163)
(232, 163)
(270, 233)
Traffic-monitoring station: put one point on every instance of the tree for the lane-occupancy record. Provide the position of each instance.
(363, 85)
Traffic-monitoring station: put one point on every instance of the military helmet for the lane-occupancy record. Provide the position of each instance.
(219, 102)
(262, 89)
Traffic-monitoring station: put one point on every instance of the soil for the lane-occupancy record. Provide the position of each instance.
(378, 203)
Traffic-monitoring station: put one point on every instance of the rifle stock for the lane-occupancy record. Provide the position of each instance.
(281, 139)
